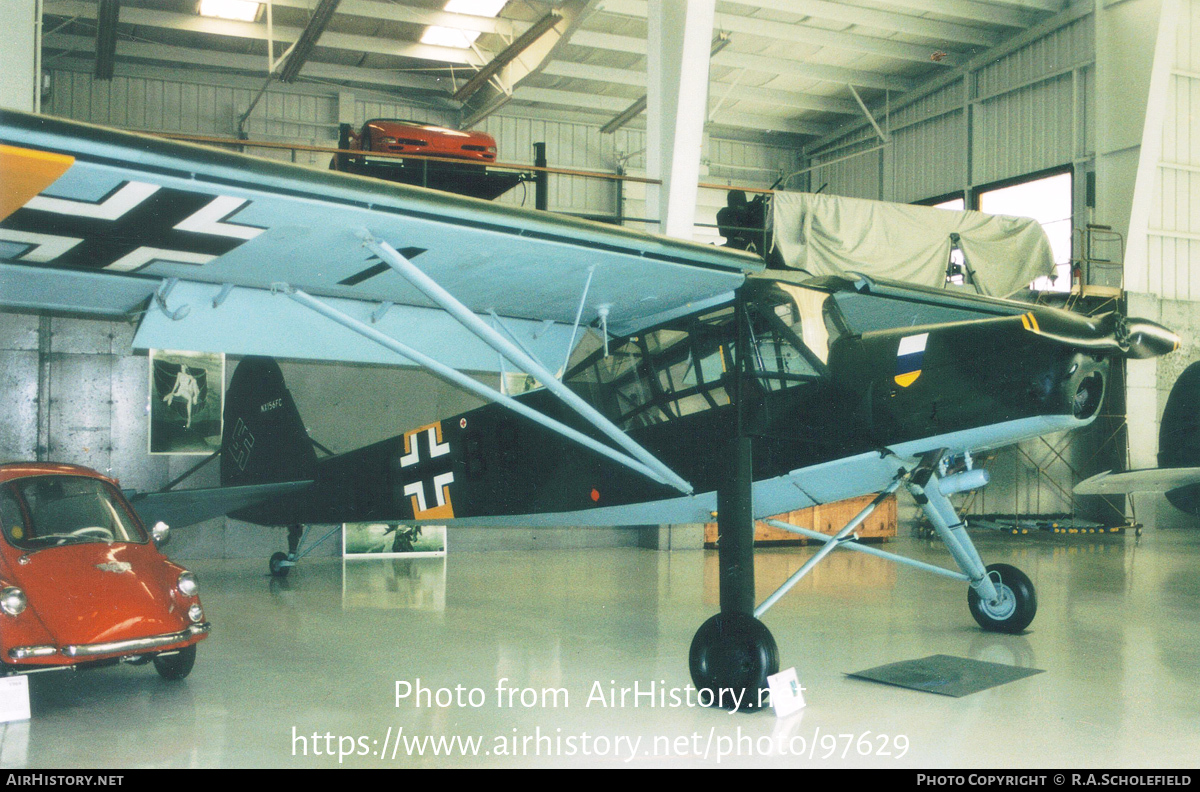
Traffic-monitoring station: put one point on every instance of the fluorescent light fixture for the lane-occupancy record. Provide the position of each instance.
(439, 36)
(241, 10)
(483, 8)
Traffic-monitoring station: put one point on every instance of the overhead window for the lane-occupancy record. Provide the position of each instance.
(954, 204)
(1047, 200)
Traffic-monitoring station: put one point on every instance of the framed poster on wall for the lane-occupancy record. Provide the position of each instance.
(392, 540)
(187, 399)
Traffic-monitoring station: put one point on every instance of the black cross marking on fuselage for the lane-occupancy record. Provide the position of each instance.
(151, 223)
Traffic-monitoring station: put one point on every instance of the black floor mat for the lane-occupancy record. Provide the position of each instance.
(946, 675)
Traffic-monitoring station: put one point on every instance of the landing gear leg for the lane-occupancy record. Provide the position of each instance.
(733, 653)
(281, 563)
(1001, 597)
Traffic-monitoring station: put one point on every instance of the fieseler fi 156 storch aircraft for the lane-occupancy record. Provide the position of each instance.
(676, 379)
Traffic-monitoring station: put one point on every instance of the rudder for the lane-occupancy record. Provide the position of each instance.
(264, 440)
(1179, 436)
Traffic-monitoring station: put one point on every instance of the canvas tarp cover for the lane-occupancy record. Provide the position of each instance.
(832, 235)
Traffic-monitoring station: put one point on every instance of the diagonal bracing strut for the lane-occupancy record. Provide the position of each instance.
(462, 380)
(515, 355)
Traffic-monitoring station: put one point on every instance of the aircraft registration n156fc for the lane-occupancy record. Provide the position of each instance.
(675, 379)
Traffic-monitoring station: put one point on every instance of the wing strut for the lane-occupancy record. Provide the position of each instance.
(463, 381)
(431, 289)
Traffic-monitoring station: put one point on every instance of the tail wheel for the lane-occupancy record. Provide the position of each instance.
(176, 666)
(277, 567)
(732, 655)
(1015, 607)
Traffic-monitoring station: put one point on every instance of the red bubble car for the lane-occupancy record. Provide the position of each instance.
(82, 583)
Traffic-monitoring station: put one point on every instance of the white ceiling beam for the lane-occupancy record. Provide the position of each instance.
(754, 63)
(817, 37)
(824, 104)
(391, 12)
(252, 64)
(802, 34)
(990, 13)
(256, 31)
(770, 95)
(586, 71)
(728, 117)
(610, 105)
(814, 71)
(609, 41)
(1051, 6)
(618, 103)
(575, 99)
(884, 20)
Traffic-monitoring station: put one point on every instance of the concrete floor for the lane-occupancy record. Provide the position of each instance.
(1118, 634)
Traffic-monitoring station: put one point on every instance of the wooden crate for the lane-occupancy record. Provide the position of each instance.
(828, 518)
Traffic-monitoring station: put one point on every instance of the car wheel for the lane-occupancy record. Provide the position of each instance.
(176, 666)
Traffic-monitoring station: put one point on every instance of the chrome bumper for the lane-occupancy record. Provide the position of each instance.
(136, 644)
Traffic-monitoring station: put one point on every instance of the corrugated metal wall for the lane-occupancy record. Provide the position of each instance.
(1024, 112)
(1173, 254)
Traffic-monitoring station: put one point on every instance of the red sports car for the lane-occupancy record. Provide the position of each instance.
(413, 137)
(82, 583)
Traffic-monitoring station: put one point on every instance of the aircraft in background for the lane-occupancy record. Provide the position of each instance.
(1178, 473)
(676, 379)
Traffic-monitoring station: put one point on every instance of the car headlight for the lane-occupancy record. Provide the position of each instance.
(12, 600)
(196, 613)
(187, 584)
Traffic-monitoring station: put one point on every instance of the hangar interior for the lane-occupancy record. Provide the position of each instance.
(908, 101)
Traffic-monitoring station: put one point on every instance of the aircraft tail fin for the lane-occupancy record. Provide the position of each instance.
(264, 440)
(1179, 436)
(1179, 433)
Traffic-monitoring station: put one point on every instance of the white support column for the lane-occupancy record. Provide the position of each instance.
(1126, 36)
(680, 37)
(345, 107)
(19, 43)
(1150, 152)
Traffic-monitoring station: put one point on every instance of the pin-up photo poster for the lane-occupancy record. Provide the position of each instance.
(187, 398)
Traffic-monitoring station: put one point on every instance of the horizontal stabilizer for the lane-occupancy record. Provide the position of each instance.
(1150, 480)
(180, 508)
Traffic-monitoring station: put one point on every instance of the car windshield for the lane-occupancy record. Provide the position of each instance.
(52, 510)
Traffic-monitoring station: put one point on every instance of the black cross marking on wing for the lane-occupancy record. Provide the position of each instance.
(151, 224)
(380, 268)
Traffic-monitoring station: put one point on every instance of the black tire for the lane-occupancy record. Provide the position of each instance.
(277, 567)
(176, 666)
(733, 652)
(1018, 602)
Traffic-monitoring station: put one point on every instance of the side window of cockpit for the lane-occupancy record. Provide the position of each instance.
(810, 321)
(690, 362)
(778, 358)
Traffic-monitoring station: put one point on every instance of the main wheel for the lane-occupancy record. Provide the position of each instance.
(732, 655)
(278, 568)
(1015, 608)
(176, 666)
